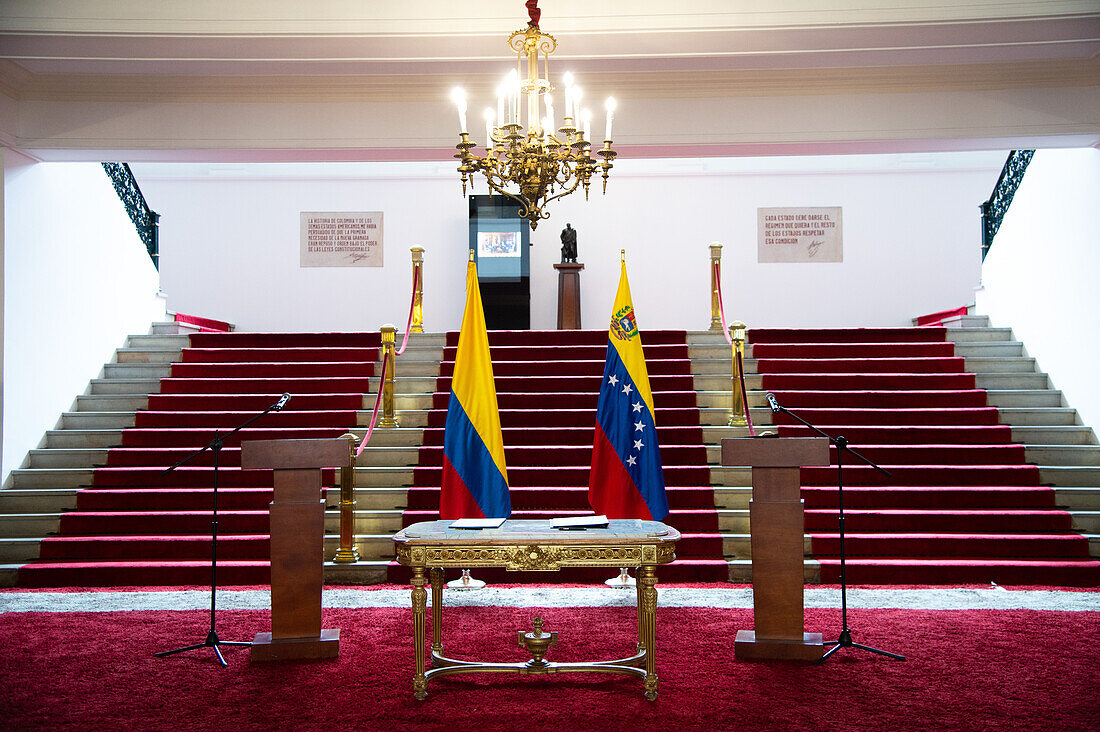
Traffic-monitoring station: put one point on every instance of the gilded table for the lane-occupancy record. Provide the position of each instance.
(430, 547)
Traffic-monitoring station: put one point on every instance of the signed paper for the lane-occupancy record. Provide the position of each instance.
(799, 235)
(341, 239)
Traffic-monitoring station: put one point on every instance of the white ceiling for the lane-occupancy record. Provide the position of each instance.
(367, 80)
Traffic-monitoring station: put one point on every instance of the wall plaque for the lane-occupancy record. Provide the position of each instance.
(799, 235)
(341, 239)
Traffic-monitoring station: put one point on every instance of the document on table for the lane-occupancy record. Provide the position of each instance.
(477, 523)
(579, 522)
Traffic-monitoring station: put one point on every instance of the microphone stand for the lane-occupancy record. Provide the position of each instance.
(215, 446)
(845, 638)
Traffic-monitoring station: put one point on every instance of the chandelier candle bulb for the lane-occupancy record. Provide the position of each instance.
(610, 106)
(500, 103)
(459, 98)
(586, 116)
(567, 79)
(489, 128)
(549, 115)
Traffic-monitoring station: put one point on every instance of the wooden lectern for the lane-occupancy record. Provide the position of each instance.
(777, 525)
(297, 546)
(569, 295)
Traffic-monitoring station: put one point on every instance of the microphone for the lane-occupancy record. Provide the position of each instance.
(774, 404)
(281, 403)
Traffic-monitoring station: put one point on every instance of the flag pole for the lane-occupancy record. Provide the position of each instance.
(623, 581)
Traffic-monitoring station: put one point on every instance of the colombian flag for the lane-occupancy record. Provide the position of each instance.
(475, 479)
(626, 479)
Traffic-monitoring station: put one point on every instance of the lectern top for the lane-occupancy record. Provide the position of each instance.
(295, 454)
(775, 452)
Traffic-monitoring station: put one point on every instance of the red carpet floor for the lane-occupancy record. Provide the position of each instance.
(967, 670)
(962, 505)
(547, 385)
(138, 525)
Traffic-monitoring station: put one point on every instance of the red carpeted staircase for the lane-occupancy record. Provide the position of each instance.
(962, 504)
(137, 525)
(547, 385)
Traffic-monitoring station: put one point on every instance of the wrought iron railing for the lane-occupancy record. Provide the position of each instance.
(145, 219)
(993, 210)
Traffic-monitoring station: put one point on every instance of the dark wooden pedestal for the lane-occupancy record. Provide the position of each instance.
(569, 295)
(777, 525)
(297, 546)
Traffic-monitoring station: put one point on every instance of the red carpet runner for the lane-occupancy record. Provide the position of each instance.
(962, 505)
(547, 384)
(137, 525)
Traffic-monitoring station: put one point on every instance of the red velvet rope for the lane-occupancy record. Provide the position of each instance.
(745, 393)
(412, 309)
(534, 12)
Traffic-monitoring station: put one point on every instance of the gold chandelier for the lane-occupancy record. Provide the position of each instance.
(532, 164)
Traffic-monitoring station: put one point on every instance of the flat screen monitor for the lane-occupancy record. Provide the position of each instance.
(500, 240)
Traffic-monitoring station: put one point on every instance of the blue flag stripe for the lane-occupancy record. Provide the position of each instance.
(471, 459)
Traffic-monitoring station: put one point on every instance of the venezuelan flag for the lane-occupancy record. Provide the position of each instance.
(626, 479)
(475, 478)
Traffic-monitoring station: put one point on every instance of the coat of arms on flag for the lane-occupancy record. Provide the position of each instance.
(626, 480)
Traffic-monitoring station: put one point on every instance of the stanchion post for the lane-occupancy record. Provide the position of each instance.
(715, 275)
(738, 333)
(418, 290)
(389, 333)
(347, 553)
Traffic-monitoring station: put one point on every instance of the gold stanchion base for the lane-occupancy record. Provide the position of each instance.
(623, 581)
(465, 582)
(346, 556)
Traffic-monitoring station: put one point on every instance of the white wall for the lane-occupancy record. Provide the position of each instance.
(229, 240)
(1040, 277)
(77, 281)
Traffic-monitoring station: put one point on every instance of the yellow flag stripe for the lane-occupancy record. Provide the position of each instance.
(473, 378)
(630, 348)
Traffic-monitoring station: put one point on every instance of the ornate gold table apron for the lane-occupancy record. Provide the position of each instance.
(430, 547)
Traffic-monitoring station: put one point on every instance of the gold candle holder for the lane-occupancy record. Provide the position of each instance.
(738, 333)
(348, 553)
(418, 290)
(389, 333)
(715, 284)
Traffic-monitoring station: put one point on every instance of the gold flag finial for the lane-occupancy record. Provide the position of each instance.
(622, 255)
(471, 256)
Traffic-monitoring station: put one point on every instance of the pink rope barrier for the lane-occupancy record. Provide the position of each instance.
(385, 364)
(374, 416)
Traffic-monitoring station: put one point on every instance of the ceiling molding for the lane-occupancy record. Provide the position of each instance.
(20, 84)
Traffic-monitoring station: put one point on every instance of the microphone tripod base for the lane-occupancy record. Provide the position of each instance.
(212, 641)
(845, 641)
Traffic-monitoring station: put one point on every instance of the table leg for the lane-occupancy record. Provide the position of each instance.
(647, 609)
(419, 601)
(641, 621)
(437, 610)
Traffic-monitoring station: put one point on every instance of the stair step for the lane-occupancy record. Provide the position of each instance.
(965, 570)
(74, 438)
(136, 371)
(1064, 455)
(1069, 475)
(159, 340)
(1054, 435)
(111, 402)
(1001, 364)
(1024, 398)
(970, 335)
(1038, 416)
(118, 385)
(986, 349)
(1012, 381)
(96, 420)
(66, 458)
(147, 355)
(31, 501)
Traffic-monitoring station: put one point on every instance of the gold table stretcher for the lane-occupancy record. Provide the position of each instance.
(430, 547)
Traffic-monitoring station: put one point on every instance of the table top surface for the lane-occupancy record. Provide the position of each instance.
(621, 532)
